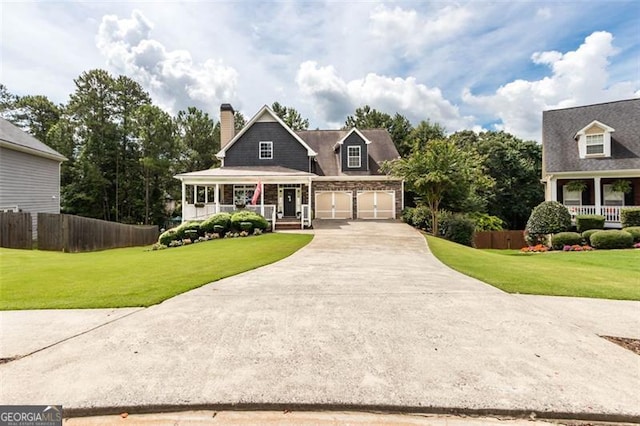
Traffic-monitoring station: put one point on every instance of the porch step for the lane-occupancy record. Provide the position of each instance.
(282, 225)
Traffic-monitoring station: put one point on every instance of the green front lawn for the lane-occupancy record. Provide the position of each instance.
(33, 279)
(605, 274)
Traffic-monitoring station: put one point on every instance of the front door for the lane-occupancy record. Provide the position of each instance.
(289, 202)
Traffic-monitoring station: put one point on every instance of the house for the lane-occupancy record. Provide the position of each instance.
(299, 176)
(29, 173)
(591, 158)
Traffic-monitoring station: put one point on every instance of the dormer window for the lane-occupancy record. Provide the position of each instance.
(595, 144)
(353, 157)
(594, 140)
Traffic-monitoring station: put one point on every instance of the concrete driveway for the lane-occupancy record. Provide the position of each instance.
(364, 316)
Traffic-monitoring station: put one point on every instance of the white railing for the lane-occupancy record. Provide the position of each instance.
(610, 213)
(305, 217)
(203, 211)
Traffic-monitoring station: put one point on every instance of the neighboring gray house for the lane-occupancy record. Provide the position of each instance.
(326, 174)
(29, 173)
(597, 146)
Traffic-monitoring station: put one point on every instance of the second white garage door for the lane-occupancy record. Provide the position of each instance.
(376, 204)
(334, 205)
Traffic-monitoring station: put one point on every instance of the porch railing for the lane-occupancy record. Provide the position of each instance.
(305, 219)
(611, 213)
(203, 211)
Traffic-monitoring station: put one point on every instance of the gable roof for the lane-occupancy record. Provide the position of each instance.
(323, 142)
(357, 132)
(12, 137)
(594, 123)
(560, 127)
(264, 110)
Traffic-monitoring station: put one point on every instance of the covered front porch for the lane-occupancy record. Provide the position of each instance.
(283, 194)
(604, 195)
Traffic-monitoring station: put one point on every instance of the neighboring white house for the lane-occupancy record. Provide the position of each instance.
(587, 152)
(29, 173)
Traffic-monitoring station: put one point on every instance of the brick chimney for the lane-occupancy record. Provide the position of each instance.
(227, 125)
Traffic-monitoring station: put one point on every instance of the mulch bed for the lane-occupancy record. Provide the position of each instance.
(632, 344)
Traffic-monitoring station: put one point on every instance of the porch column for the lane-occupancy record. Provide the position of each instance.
(206, 194)
(184, 199)
(553, 189)
(262, 198)
(597, 194)
(309, 213)
(195, 194)
(216, 198)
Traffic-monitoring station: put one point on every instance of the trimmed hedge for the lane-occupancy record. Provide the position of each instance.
(219, 219)
(187, 229)
(167, 236)
(584, 222)
(635, 233)
(630, 216)
(548, 217)
(558, 241)
(255, 219)
(612, 239)
(460, 229)
(586, 235)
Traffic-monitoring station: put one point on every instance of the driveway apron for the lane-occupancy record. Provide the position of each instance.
(363, 316)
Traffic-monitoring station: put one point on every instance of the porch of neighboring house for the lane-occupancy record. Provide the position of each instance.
(282, 200)
(598, 195)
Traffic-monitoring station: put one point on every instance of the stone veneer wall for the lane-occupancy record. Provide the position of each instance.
(355, 186)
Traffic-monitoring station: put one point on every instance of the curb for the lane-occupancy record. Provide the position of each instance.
(375, 409)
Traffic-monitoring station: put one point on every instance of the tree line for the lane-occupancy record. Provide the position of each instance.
(123, 152)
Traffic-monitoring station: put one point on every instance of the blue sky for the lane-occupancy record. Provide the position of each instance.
(467, 64)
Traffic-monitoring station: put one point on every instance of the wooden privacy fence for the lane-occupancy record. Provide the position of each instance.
(62, 232)
(499, 240)
(15, 230)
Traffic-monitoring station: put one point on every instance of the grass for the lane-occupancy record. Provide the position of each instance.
(605, 274)
(33, 279)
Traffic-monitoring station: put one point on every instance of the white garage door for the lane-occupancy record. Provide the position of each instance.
(376, 204)
(334, 205)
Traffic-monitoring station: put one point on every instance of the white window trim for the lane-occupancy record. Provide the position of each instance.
(268, 144)
(349, 157)
(607, 190)
(600, 144)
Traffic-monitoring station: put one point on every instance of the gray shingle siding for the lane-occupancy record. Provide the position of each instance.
(287, 151)
(354, 140)
(30, 182)
(561, 149)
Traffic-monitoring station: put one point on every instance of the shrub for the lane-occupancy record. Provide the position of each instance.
(246, 226)
(486, 222)
(548, 217)
(422, 218)
(219, 229)
(558, 241)
(186, 230)
(460, 229)
(586, 235)
(167, 236)
(589, 221)
(256, 220)
(635, 233)
(630, 216)
(407, 215)
(612, 239)
(218, 219)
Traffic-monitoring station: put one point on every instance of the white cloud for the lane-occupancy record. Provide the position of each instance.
(578, 77)
(335, 98)
(544, 13)
(412, 31)
(174, 80)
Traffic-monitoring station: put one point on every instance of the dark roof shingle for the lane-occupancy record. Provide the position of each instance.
(559, 128)
(328, 161)
(16, 138)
